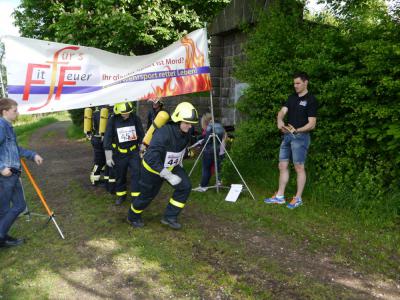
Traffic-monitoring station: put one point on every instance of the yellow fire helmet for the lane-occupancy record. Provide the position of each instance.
(185, 112)
(123, 108)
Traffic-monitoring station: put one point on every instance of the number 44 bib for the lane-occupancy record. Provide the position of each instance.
(173, 159)
(126, 134)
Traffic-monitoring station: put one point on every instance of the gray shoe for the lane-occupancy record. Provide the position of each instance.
(136, 223)
(171, 223)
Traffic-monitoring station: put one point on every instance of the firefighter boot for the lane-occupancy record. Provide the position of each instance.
(137, 222)
(120, 200)
(171, 222)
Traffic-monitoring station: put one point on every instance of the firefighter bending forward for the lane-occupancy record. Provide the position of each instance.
(125, 133)
(163, 160)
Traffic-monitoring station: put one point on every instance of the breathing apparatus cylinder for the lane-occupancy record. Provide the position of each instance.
(87, 120)
(103, 120)
(160, 120)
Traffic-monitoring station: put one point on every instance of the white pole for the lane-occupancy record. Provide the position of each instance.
(214, 142)
(58, 228)
(213, 128)
(3, 91)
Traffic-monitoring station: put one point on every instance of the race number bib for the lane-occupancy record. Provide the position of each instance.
(173, 159)
(126, 134)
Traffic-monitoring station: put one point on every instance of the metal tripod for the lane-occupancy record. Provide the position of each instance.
(215, 138)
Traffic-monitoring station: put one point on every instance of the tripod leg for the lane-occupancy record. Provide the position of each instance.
(27, 212)
(202, 150)
(58, 228)
(240, 175)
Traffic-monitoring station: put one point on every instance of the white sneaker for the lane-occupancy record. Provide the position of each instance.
(200, 189)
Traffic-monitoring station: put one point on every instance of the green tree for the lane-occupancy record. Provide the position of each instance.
(124, 27)
(353, 63)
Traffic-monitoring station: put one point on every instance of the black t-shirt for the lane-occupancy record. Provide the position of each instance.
(300, 109)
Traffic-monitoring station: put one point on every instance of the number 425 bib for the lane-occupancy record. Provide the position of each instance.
(126, 134)
(173, 159)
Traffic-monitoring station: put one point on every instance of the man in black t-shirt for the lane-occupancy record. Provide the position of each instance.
(301, 109)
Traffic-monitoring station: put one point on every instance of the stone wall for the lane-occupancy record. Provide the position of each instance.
(225, 50)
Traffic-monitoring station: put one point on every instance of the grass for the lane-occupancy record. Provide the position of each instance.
(31, 119)
(102, 256)
(367, 242)
(162, 263)
(23, 132)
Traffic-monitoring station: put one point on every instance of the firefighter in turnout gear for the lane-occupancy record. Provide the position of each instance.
(96, 140)
(109, 177)
(122, 139)
(163, 160)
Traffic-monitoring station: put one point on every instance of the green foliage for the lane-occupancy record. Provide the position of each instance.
(77, 117)
(75, 132)
(354, 70)
(124, 27)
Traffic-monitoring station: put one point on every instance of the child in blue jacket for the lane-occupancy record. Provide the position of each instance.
(10, 170)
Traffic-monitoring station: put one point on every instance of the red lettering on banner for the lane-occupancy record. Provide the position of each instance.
(62, 81)
(29, 81)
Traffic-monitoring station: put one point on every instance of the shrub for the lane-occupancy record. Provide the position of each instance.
(354, 73)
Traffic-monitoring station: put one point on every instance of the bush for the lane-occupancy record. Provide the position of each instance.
(77, 117)
(354, 74)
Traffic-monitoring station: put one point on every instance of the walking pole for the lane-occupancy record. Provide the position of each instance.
(38, 191)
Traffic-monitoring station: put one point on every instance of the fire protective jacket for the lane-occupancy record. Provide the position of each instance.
(125, 134)
(166, 149)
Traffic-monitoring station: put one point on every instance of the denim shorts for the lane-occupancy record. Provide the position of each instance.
(294, 147)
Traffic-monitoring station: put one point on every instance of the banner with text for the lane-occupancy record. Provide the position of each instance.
(47, 77)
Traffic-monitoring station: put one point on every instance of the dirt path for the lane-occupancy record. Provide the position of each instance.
(67, 161)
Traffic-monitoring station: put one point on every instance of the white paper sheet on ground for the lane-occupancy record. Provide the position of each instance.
(234, 192)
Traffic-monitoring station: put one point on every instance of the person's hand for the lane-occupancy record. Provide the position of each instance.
(109, 160)
(6, 172)
(142, 150)
(281, 126)
(142, 147)
(170, 177)
(38, 159)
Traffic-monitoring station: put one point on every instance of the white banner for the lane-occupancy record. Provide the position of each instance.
(47, 77)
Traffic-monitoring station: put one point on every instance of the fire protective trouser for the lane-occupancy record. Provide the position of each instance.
(109, 177)
(123, 162)
(99, 159)
(150, 184)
